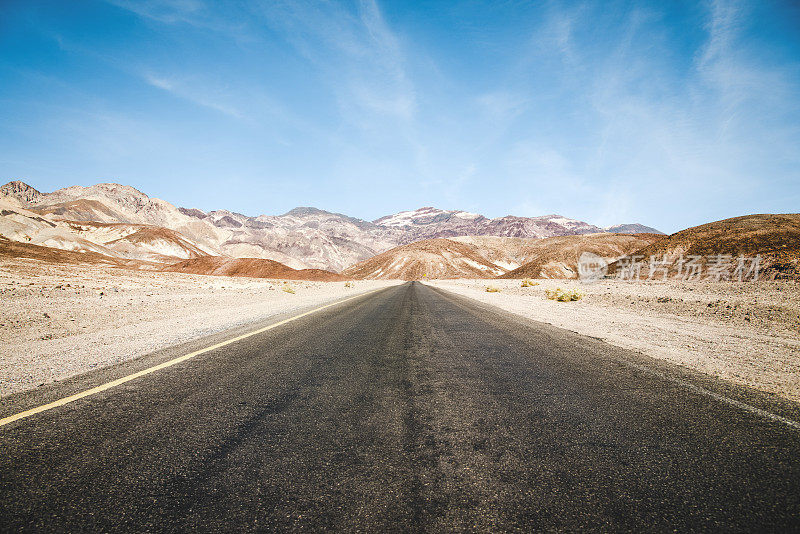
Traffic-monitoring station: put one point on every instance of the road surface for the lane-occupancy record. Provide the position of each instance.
(409, 409)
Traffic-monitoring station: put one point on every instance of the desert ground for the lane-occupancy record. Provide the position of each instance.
(58, 321)
(744, 332)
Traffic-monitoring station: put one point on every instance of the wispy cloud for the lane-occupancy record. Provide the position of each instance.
(352, 49)
(723, 24)
(186, 91)
(603, 110)
(357, 53)
(199, 14)
(655, 132)
(170, 12)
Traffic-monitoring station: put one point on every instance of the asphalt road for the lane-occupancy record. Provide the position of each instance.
(409, 409)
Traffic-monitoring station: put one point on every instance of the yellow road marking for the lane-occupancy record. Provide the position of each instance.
(169, 363)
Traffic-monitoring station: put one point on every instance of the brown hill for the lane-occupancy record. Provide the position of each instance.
(557, 257)
(506, 252)
(16, 249)
(250, 267)
(156, 244)
(775, 237)
(430, 258)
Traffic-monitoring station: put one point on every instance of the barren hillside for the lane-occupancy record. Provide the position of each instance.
(431, 223)
(775, 237)
(15, 249)
(431, 258)
(123, 240)
(506, 252)
(250, 267)
(557, 257)
(304, 237)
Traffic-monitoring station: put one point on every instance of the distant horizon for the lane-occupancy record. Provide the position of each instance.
(668, 115)
(178, 205)
(287, 211)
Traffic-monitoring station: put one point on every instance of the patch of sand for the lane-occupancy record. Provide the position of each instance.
(748, 333)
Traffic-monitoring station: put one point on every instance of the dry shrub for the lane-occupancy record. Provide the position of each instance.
(348, 284)
(529, 283)
(562, 295)
(492, 289)
(288, 289)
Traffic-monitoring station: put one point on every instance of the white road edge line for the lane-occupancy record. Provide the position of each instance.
(169, 363)
(717, 396)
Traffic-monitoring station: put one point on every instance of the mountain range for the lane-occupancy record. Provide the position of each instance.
(120, 221)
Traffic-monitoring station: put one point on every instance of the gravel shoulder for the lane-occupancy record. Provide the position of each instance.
(58, 321)
(747, 333)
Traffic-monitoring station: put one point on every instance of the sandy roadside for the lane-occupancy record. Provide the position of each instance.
(60, 321)
(748, 333)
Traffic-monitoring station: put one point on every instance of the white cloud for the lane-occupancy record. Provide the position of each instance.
(166, 11)
(356, 52)
(603, 103)
(188, 91)
(161, 83)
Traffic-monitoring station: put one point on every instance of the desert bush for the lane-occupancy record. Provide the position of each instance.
(348, 284)
(492, 289)
(529, 283)
(562, 295)
(288, 289)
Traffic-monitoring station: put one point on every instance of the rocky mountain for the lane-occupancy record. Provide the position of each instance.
(71, 226)
(496, 257)
(632, 228)
(17, 249)
(506, 252)
(431, 218)
(302, 238)
(115, 203)
(19, 191)
(430, 258)
(119, 225)
(773, 237)
(19, 224)
(557, 257)
(429, 223)
(118, 240)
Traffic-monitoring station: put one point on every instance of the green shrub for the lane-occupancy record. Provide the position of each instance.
(562, 295)
(288, 289)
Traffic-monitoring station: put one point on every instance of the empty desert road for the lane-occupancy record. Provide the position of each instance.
(408, 409)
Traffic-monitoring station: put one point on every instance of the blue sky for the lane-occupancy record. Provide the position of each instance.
(666, 113)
